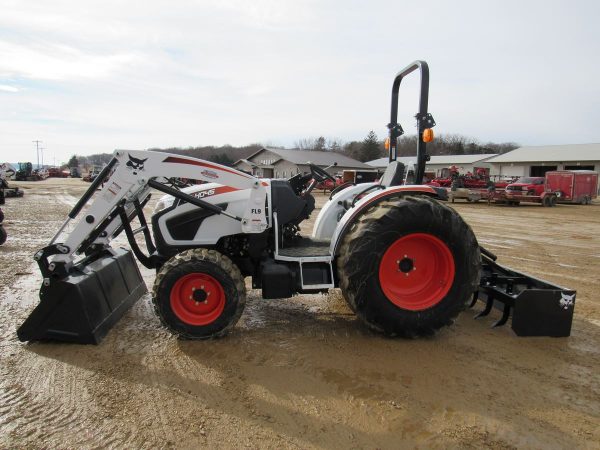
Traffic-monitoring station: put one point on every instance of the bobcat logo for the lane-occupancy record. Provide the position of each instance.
(210, 174)
(566, 301)
(135, 165)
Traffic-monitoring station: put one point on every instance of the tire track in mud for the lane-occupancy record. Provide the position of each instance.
(42, 407)
(53, 401)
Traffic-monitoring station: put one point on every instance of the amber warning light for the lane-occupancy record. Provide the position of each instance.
(427, 135)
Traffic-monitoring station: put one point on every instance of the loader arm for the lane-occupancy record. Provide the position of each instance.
(131, 175)
(82, 297)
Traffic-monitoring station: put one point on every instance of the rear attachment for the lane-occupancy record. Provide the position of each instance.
(82, 306)
(538, 308)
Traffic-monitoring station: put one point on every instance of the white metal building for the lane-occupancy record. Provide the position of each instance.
(465, 163)
(536, 161)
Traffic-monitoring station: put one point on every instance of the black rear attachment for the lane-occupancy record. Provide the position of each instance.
(538, 308)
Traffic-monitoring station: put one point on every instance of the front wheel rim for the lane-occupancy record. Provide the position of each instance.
(197, 299)
(416, 271)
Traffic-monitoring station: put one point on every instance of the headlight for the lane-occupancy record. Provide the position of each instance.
(166, 201)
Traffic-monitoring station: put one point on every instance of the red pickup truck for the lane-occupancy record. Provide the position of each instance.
(528, 186)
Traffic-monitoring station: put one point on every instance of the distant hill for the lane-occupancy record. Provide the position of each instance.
(444, 144)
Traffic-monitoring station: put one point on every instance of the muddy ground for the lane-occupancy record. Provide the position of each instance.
(303, 373)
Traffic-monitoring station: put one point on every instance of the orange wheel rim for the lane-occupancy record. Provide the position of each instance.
(416, 271)
(197, 299)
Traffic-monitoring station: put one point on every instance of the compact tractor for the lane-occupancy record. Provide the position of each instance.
(406, 263)
(3, 234)
(6, 172)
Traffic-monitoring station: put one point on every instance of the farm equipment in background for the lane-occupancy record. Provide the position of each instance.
(6, 172)
(3, 234)
(348, 178)
(91, 175)
(470, 195)
(359, 176)
(573, 186)
(451, 177)
(329, 185)
(57, 172)
(26, 173)
(406, 263)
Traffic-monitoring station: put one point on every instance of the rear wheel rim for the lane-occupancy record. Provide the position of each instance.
(197, 299)
(416, 271)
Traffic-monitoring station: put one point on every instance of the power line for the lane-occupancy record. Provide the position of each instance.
(37, 150)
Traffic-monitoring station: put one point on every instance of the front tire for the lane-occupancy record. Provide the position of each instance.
(409, 266)
(199, 294)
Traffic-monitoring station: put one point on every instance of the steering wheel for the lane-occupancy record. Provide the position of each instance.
(320, 174)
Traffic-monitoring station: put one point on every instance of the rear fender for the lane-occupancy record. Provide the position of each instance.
(373, 199)
(330, 214)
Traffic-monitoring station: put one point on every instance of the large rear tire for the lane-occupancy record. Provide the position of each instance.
(409, 266)
(3, 235)
(199, 294)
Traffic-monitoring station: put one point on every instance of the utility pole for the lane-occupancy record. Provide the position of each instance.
(42, 153)
(37, 150)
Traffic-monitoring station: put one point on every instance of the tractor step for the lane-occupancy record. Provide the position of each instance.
(537, 307)
(314, 260)
(307, 247)
(83, 306)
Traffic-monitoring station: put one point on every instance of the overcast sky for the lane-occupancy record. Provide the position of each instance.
(91, 76)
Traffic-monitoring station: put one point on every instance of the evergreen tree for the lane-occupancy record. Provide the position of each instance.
(73, 162)
(320, 144)
(370, 148)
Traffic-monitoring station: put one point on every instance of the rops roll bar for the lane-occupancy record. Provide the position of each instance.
(424, 119)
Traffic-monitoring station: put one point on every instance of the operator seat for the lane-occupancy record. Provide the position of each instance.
(393, 175)
(290, 208)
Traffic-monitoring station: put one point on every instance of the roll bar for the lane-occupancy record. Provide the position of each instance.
(424, 119)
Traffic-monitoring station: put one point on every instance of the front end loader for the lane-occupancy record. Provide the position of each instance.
(406, 263)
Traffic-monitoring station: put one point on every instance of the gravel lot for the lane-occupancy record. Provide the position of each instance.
(303, 373)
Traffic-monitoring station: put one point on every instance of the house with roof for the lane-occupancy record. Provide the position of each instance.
(465, 163)
(283, 163)
(536, 161)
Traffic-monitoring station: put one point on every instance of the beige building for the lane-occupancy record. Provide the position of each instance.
(284, 163)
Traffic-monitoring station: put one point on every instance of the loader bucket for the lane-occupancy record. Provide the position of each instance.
(82, 306)
(537, 307)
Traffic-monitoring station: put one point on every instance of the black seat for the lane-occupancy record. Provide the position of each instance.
(393, 175)
(290, 208)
